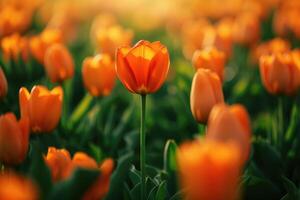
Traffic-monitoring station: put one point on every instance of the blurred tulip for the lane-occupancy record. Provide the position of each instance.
(15, 47)
(3, 84)
(279, 73)
(231, 123)
(58, 160)
(99, 74)
(14, 138)
(112, 37)
(40, 43)
(209, 170)
(15, 187)
(206, 91)
(143, 68)
(42, 107)
(59, 63)
(210, 58)
(82, 160)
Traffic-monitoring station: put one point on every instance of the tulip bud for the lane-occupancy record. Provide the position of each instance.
(59, 63)
(99, 74)
(206, 91)
(3, 84)
(230, 123)
(143, 68)
(209, 170)
(42, 107)
(14, 138)
(212, 59)
(15, 47)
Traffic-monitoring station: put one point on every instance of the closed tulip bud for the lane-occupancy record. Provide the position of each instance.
(99, 74)
(82, 160)
(279, 73)
(59, 63)
(210, 58)
(14, 187)
(206, 92)
(15, 47)
(209, 170)
(3, 84)
(143, 68)
(231, 123)
(14, 136)
(42, 107)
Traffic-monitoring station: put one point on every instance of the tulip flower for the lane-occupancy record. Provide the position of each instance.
(14, 136)
(42, 107)
(212, 59)
(143, 68)
(15, 47)
(99, 74)
(209, 170)
(13, 187)
(230, 123)
(40, 43)
(59, 63)
(279, 73)
(3, 84)
(206, 91)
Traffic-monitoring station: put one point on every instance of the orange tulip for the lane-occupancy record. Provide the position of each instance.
(14, 138)
(99, 74)
(209, 170)
(3, 84)
(15, 187)
(42, 107)
(143, 68)
(230, 123)
(206, 91)
(212, 59)
(39, 44)
(279, 73)
(59, 63)
(58, 161)
(15, 47)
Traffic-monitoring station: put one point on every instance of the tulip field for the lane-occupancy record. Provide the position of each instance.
(150, 100)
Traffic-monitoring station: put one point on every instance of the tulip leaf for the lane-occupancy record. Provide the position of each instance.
(161, 192)
(292, 190)
(170, 156)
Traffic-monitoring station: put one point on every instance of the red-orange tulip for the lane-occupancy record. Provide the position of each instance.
(230, 123)
(209, 170)
(210, 58)
(143, 68)
(3, 84)
(206, 92)
(42, 107)
(279, 73)
(99, 74)
(14, 138)
(59, 63)
(15, 47)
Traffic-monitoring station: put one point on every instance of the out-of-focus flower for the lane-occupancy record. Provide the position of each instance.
(14, 136)
(110, 38)
(58, 161)
(279, 73)
(230, 123)
(59, 63)
(14, 187)
(223, 36)
(143, 68)
(99, 74)
(40, 43)
(3, 84)
(210, 58)
(206, 91)
(42, 107)
(15, 47)
(209, 170)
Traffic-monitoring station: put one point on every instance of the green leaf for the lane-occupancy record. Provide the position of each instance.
(134, 176)
(292, 190)
(161, 192)
(170, 156)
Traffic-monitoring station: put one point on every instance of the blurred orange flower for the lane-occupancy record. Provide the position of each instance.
(206, 91)
(15, 47)
(59, 63)
(210, 58)
(143, 68)
(231, 123)
(209, 170)
(42, 107)
(14, 138)
(3, 84)
(99, 74)
(15, 187)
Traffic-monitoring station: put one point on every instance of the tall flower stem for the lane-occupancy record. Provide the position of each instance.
(143, 146)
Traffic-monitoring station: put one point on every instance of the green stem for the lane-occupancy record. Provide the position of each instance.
(280, 122)
(293, 123)
(143, 146)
